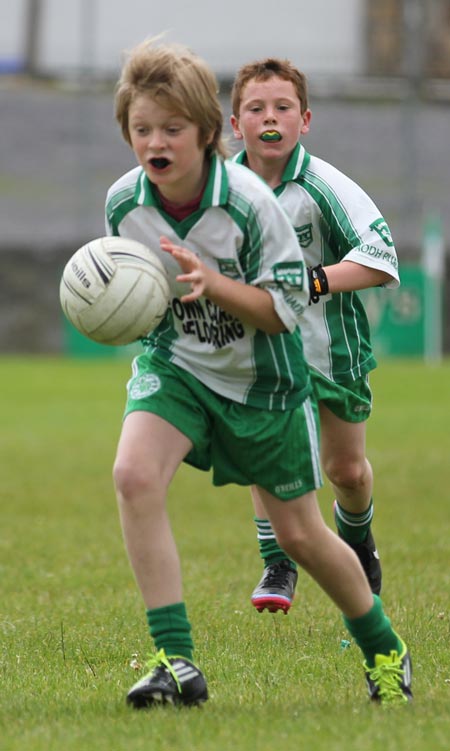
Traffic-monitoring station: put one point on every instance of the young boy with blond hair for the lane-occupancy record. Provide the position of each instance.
(223, 383)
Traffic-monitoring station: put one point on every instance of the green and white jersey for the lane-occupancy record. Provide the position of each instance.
(241, 231)
(335, 220)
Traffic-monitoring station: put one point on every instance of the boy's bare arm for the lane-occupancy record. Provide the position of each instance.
(347, 276)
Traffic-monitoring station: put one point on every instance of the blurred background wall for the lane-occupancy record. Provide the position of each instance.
(92, 33)
(379, 76)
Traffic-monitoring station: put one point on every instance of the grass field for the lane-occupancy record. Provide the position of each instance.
(71, 619)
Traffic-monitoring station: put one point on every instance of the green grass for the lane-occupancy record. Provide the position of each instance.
(71, 619)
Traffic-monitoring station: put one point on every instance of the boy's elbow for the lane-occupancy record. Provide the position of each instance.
(384, 279)
(275, 326)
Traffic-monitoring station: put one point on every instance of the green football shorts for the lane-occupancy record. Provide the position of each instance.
(277, 450)
(351, 401)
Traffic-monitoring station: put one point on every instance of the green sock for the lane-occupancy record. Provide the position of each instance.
(269, 549)
(373, 632)
(353, 528)
(171, 630)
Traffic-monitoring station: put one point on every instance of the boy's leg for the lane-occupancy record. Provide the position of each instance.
(343, 458)
(303, 534)
(275, 591)
(344, 461)
(149, 452)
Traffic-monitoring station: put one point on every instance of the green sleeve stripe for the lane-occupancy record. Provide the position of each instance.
(119, 205)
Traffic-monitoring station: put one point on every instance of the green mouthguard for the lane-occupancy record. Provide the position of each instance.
(271, 135)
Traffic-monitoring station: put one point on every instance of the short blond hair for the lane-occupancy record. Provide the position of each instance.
(263, 70)
(180, 80)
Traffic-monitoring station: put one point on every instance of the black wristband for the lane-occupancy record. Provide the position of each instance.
(318, 283)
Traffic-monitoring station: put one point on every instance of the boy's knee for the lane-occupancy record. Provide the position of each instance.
(347, 474)
(129, 480)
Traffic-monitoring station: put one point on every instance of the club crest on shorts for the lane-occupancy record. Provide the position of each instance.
(143, 386)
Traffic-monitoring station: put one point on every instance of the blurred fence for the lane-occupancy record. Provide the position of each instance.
(61, 149)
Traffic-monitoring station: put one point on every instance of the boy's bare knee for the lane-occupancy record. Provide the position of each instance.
(349, 475)
(130, 481)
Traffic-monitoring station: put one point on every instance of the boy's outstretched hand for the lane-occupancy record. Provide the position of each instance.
(195, 272)
(250, 304)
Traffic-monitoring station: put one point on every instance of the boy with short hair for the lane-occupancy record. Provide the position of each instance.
(223, 382)
(347, 246)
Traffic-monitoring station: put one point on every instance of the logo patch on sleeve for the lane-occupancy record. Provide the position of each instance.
(381, 227)
(289, 274)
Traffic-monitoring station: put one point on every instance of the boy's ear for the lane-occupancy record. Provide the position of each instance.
(306, 122)
(235, 126)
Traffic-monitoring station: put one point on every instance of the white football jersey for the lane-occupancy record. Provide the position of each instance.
(335, 220)
(241, 231)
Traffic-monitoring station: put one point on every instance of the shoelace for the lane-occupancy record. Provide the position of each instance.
(159, 660)
(388, 678)
(277, 575)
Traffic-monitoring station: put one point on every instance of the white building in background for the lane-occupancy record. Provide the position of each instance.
(324, 37)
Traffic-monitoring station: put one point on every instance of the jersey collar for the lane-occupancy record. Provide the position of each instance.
(296, 166)
(215, 193)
